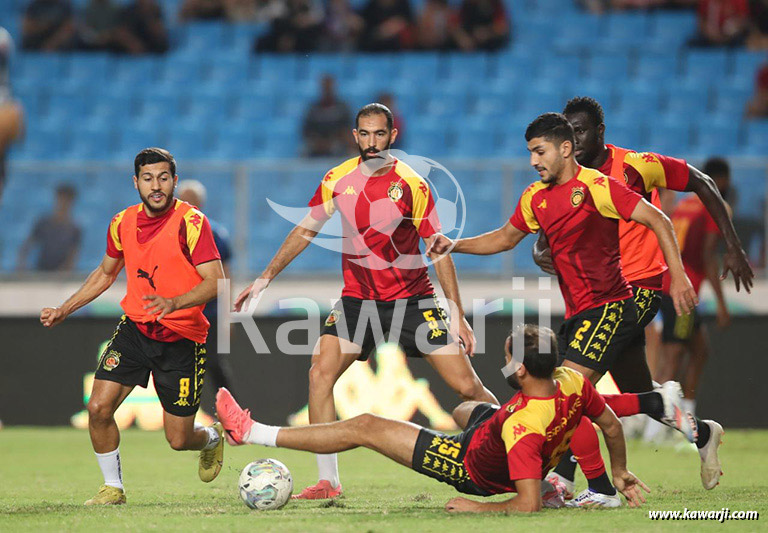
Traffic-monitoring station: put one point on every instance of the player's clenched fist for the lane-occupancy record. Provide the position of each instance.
(440, 244)
(251, 291)
(50, 316)
(461, 505)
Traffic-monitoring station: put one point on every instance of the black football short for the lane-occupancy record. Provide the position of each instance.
(648, 302)
(441, 456)
(177, 368)
(595, 338)
(418, 324)
(677, 328)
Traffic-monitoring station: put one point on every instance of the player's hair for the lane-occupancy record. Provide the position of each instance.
(588, 105)
(717, 166)
(149, 156)
(66, 189)
(551, 126)
(539, 359)
(376, 109)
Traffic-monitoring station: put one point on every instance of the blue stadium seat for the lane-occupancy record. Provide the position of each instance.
(125, 73)
(429, 137)
(641, 95)
(229, 70)
(69, 103)
(203, 36)
(189, 144)
(446, 100)
(731, 102)
(745, 65)
(580, 30)
(562, 69)
(608, 66)
(716, 137)
(471, 64)
(87, 69)
(515, 65)
(702, 66)
(604, 93)
(155, 105)
(179, 72)
(315, 66)
(234, 142)
(541, 97)
(39, 68)
(207, 106)
(631, 135)
(252, 104)
(243, 37)
(90, 144)
(688, 100)
(424, 68)
(136, 136)
(672, 29)
(276, 68)
(756, 138)
(476, 137)
(43, 144)
(624, 30)
(658, 67)
(375, 66)
(670, 137)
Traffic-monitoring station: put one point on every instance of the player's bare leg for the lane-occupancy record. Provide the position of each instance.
(332, 356)
(697, 358)
(106, 397)
(182, 434)
(392, 438)
(453, 365)
(462, 413)
(592, 375)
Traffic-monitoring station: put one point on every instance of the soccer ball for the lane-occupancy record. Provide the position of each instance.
(265, 484)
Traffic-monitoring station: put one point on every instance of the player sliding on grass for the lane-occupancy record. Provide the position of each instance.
(578, 210)
(501, 450)
(385, 208)
(172, 267)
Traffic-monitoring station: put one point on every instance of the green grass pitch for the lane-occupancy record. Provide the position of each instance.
(46, 474)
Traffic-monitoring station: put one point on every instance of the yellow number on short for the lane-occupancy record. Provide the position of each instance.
(429, 316)
(183, 387)
(579, 333)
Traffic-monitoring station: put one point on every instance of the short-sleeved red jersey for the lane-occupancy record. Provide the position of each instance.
(383, 219)
(527, 436)
(692, 224)
(579, 219)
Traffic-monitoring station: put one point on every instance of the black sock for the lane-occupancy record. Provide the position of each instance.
(704, 432)
(651, 404)
(602, 485)
(567, 466)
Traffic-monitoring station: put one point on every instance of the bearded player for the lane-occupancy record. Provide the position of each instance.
(501, 450)
(642, 261)
(385, 209)
(172, 267)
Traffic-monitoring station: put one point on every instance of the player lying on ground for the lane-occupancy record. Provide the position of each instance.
(501, 450)
(578, 210)
(642, 261)
(173, 268)
(386, 208)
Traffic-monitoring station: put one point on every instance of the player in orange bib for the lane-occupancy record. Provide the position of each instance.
(172, 268)
(507, 449)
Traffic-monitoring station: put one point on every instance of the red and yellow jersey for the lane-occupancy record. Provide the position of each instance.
(641, 258)
(195, 240)
(527, 436)
(692, 224)
(579, 219)
(383, 218)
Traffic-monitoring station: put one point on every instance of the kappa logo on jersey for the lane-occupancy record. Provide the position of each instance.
(150, 278)
(395, 191)
(648, 158)
(577, 196)
(333, 317)
(519, 430)
(423, 188)
(196, 220)
(111, 360)
(600, 180)
(350, 190)
(543, 204)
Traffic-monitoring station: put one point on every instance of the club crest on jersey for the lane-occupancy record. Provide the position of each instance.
(333, 318)
(395, 192)
(577, 196)
(111, 360)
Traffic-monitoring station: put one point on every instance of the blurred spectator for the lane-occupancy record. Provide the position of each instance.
(758, 106)
(48, 25)
(758, 35)
(342, 26)
(56, 236)
(11, 112)
(142, 29)
(722, 23)
(398, 123)
(435, 25)
(298, 29)
(387, 26)
(327, 122)
(483, 25)
(98, 25)
(202, 9)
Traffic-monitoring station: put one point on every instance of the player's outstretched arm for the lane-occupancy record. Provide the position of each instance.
(681, 290)
(97, 282)
(624, 480)
(735, 259)
(500, 240)
(295, 243)
(528, 500)
(542, 254)
(711, 267)
(203, 292)
(446, 275)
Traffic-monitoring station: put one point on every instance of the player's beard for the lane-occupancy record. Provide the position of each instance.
(513, 382)
(372, 153)
(151, 208)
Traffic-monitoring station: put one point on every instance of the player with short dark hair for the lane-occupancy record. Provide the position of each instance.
(172, 268)
(641, 258)
(500, 450)
(577, 208)
(385, 209)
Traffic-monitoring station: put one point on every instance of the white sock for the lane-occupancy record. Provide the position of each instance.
(111, 468)
(213, 438)
(262, 434)
(689, 405)
(328, 468)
